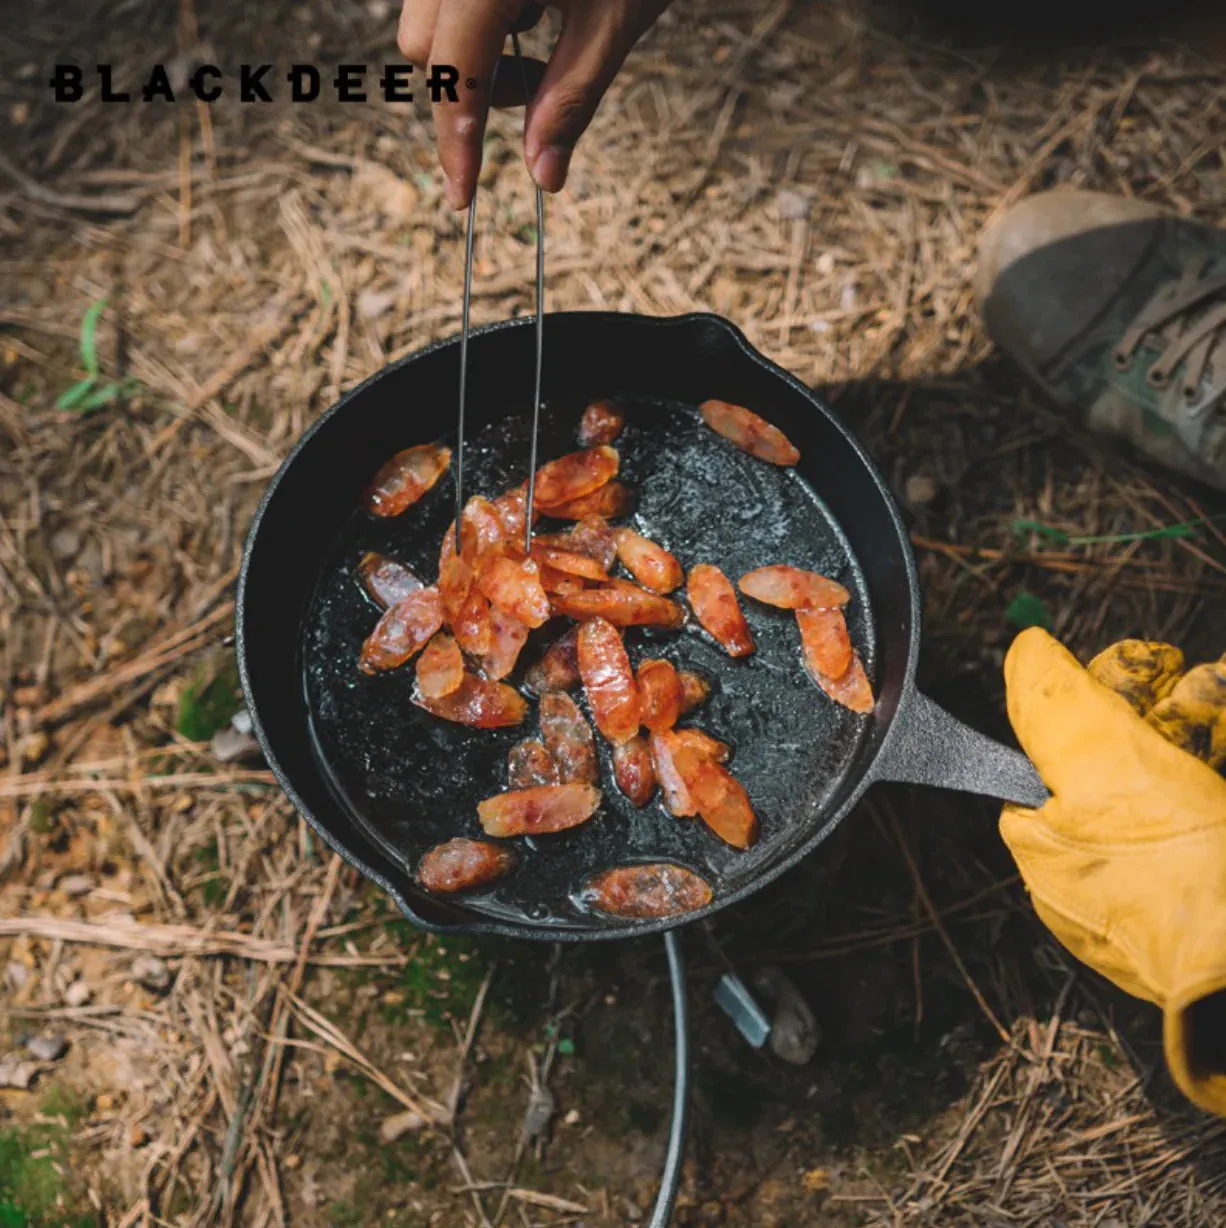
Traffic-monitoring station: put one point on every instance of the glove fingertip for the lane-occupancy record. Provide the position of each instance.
(1140, 671)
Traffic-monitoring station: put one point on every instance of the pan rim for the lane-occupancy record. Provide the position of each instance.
(543, 932)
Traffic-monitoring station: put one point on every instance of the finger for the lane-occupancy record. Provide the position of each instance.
(1142, 671)
(592, 47)
(415, 34)
(1084, 739)
(1117, 782)
(468, 34)
(1193, 715)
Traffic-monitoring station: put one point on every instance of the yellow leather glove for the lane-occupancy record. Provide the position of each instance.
(1126, 864)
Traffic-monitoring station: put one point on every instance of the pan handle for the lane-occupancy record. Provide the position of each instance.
(929, 747)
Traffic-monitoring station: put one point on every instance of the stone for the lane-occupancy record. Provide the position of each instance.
(77, 994)
(47, 1048)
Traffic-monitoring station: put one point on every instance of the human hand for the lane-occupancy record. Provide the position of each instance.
(1126, 864)
(596, 37)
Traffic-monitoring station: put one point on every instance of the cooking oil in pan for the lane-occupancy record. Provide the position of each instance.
(412, 780)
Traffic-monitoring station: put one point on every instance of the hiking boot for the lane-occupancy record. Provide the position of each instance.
(1118, 309)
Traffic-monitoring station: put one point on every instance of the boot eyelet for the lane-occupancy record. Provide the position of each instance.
(1157, 378)
(1121, 360)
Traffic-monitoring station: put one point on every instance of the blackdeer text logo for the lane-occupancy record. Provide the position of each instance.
(262, 83)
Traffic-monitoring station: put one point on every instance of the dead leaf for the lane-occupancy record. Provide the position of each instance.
(152, 973)
(374, 303)
(399, 1124)
(817, 1180)
(793, 205)
(18, 1073)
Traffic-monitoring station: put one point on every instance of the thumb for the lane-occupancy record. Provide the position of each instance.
(592, 47)
(1084, 738)
(1095, 753)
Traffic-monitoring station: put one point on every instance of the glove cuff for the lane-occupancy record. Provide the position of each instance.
(1194, 1038)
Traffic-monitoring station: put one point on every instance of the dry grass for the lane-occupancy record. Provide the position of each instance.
(819, 175)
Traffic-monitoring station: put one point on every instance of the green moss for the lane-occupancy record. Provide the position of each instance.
(40, 817)
(443, 975)
(33, 1188)
(209, 703)
(385, 1169)
(65, 1103)
(440, 979)
(212, 890)
(396, 1169)
(343, 1214)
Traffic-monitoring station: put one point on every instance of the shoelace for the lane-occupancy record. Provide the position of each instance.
(1193, 326)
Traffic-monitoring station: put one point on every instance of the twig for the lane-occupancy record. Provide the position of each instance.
(849, 944)
(167, 649)
(1022, 1115)
(115, 202)
(268, 1087)
(973, 1119)
(429, 1111)
(259, 341)
(1053, 561)
(551, 1203)
(470, 1035)
(535, 1084)
(146, 853)
(939, 925)
(175, 940)
(174, 780)
(462, 1164)
(185, 178)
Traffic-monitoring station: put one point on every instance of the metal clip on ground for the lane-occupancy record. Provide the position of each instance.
(734, 999)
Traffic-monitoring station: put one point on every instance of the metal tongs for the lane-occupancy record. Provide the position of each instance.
(529, 15)
(670, 1180)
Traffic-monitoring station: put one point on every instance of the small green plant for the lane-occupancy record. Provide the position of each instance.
(566, 1046)
(1027, 610)
(1059, 537)
(92, 392)
(209, 703)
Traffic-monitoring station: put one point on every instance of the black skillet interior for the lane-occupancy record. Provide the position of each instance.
(381, 781)
(413, 780)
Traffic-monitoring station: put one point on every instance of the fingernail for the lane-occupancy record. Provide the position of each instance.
(454, 193)
(549, 169)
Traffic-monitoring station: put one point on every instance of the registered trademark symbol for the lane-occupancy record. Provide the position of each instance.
(471, 83)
